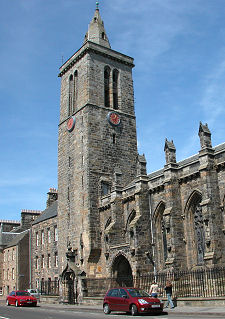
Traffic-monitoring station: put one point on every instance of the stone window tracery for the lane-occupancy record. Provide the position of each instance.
(199, 233)
(161, 232)
(195, 231)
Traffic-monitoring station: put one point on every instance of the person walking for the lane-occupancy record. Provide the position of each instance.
(168, 289)
(154, 289)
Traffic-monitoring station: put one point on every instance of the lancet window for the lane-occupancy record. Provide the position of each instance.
(71, 84)
(75, 90)
(106, 86)
(115, 89)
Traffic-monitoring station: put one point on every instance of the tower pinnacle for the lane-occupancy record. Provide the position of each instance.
(96, 31)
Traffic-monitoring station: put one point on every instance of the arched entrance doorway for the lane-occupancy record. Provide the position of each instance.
(68, 286)
(122, 272)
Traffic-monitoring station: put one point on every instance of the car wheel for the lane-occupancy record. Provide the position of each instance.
(134, 310)
(7, 303)
(17, 304)
(106, 309)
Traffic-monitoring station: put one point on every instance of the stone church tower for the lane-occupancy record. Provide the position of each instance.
(97, 148)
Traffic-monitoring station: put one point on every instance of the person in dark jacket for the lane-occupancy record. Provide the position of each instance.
(168, 289)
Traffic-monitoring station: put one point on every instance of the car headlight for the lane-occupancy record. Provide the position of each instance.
(142, 302)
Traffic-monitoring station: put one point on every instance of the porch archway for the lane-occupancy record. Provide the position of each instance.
(122, 272)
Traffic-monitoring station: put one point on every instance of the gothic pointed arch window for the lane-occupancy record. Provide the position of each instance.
(70, 104)
(130, 218)
(75, 90)
(195, 234)
(106, 86)
(108, 222)
(115, 89)
(160, 235)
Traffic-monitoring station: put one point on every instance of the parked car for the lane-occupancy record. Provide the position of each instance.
(35, 293)
(132, 300)
(20, 298)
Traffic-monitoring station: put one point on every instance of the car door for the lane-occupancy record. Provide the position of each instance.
(123, 300)
(113, 299)
(12, 298)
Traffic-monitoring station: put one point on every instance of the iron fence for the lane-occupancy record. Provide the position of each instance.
(199, 283)
(50, 288)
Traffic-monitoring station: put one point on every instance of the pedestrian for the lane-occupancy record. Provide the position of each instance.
(154, 289)
(168, 289)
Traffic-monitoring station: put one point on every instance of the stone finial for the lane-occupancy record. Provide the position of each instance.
(141, 165)
(170, 152)
(205, 136)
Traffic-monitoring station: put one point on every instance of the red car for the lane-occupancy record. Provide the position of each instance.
(131, 300)
(20, 298)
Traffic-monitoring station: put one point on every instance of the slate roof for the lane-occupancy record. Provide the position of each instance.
(186, 161)
(220, 147)
(6, 237)
(50, 212)
(17, 238)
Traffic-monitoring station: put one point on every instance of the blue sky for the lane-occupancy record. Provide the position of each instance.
(179, 80)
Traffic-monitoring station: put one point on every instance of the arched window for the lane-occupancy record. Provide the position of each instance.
(194, 231)
(115, 89)
(106, 86)
(105, 188)
(75, 90)
(130, 218)
(103, 35)
(161, 237)
(108, 222)
(70, 95)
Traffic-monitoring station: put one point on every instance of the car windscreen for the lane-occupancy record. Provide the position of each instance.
(138, 293)
(22, 293)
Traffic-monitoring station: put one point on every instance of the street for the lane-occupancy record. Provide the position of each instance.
(43, 312)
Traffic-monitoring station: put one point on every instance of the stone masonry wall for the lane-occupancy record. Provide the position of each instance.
(47, 269)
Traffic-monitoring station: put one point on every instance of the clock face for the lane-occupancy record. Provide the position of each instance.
(71, 123)
(113, 118)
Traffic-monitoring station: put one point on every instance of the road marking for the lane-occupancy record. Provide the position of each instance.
(3, 317)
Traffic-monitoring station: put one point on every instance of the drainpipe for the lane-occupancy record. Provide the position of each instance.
(152, 234)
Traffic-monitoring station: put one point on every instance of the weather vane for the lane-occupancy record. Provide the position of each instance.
(97, 4)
